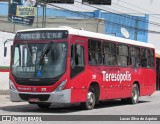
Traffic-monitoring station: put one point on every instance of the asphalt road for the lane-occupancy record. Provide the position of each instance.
(148, 105)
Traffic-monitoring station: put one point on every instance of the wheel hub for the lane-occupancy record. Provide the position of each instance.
(90, 98)
(135, 94)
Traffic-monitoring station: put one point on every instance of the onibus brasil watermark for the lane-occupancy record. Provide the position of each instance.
(37, 118)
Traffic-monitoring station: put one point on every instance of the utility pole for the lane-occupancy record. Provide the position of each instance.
(44, 13)
(37, 12)
(136, 29)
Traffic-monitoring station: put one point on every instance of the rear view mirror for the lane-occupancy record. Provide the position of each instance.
(5, 51)
(5, 48)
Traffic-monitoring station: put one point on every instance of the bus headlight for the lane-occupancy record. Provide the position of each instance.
(11, 85)
(61, 86)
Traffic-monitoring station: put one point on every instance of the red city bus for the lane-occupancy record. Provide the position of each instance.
(65, 65)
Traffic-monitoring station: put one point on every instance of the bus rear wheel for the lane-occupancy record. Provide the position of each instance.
(43, 105)
(91, 99)
(135, 95)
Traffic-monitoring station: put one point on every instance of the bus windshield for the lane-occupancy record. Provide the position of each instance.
(39, 60)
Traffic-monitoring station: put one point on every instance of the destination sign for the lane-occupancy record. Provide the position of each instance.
(41, 35)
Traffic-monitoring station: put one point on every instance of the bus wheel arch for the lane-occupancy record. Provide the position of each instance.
(93, 94)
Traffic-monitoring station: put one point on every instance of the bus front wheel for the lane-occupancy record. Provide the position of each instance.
(91, 99)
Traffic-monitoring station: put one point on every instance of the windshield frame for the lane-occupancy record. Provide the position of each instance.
(38, 42)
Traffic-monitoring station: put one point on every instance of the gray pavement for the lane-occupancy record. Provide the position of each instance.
(148, 105)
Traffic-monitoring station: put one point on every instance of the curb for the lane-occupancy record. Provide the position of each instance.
(4, 92)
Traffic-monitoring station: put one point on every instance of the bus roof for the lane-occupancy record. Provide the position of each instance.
(94, 35)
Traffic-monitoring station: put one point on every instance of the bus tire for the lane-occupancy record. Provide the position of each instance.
(91, 99)
(43, 105)
(135, 95)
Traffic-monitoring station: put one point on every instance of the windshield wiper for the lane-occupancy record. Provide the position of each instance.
(45, 52)
(29, 53)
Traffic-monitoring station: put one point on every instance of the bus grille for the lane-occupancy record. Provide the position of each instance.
(37, 82)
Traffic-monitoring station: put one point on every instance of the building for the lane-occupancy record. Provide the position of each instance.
(115, 23)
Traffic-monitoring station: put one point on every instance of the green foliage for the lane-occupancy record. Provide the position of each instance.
(4, 67)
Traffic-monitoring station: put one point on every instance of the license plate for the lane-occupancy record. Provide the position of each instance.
(34, 100)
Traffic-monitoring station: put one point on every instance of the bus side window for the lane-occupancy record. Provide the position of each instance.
(123, 56)
(152, 57)
(94, 52)
(134, 56)
(79, 55)
(109, 54)
(145, 57)
(77, 59)
(72, 56)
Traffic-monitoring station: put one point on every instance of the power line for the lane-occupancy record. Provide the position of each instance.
(134, 10)
(141, 8)
(142, 20)
(112, 23)
(146, 21)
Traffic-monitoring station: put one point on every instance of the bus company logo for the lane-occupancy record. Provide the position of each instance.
(24, 88)
(116, 76)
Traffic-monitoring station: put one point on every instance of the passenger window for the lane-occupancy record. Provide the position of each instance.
(94, 52)
(79, 55)
(145, 57)
(109, 52)
(122, 52)
(152, 57)
(135, 56)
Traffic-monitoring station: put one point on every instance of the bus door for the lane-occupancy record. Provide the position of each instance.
(77, 67)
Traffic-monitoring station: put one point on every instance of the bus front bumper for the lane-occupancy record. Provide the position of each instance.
(63, 96)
